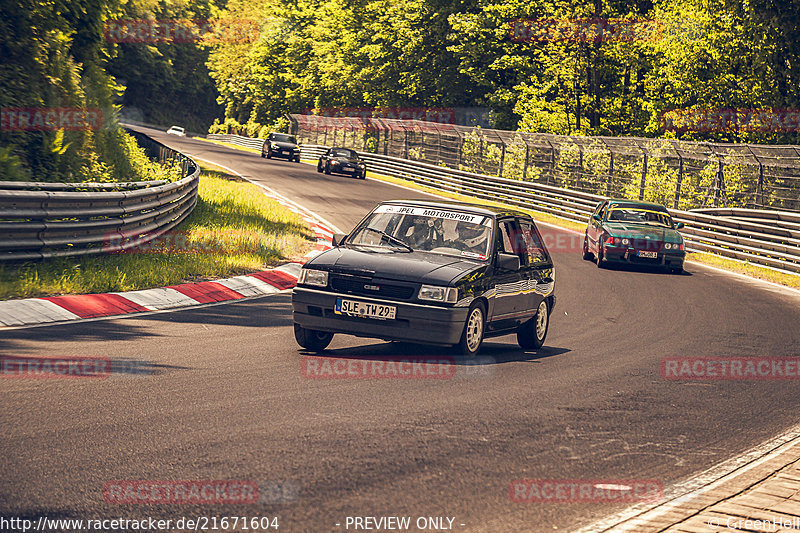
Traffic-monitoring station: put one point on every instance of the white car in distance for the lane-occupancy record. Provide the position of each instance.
(177, 130)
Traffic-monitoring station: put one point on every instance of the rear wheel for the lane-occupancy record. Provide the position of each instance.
(269, 154)
(472, 336)
(677, 270)
(532, 333)
(328, 167)
(586, 253)
(599, 256)
(262, 153)
(319, 166)
(312, 340)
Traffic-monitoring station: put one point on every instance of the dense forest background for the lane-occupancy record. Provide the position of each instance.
(716, 54)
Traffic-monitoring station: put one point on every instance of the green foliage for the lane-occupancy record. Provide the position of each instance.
(53, 56)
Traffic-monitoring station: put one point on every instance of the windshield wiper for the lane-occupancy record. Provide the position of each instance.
(391, 238)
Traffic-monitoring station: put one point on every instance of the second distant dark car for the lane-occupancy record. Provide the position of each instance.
(281, 144)
(342, 160)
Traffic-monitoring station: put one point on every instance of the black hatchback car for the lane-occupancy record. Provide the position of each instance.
(342, 160)
(282, 145)
(429, 272)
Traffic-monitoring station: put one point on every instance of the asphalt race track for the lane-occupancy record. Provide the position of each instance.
(218, 393)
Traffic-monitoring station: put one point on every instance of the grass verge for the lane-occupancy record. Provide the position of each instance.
(748, 269)
(233, 230)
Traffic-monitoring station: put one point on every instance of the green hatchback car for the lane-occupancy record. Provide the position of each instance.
(629, 231)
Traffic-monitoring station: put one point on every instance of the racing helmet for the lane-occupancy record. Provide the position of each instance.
(472, 235)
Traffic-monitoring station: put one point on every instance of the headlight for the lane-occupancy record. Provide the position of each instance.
(317, 278)
(273, 145)
(626, 242)
(438, 294)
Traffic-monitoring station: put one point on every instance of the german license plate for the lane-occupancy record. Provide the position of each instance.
(364, 309)
(649, 255)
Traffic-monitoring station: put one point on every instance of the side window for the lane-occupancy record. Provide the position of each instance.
(531, 243)
(505, 236)
(600, 207)
(603, 210)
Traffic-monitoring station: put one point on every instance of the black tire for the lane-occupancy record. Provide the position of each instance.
(319, 166)
(262, 153)
(328, 168)
(472, 336)
(314, 341)
(677, 270)
(362, 175)
(269, 154)
(598, 257)
(297, 159)
(587, 255)
(531, 334)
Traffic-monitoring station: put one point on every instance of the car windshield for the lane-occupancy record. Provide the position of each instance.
(342, 152)
(638, 215)
(280, 137)
(426, 229)
(176, 128)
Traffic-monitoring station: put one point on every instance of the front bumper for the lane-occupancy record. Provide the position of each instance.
(345, 170)
(621, 254)
(427, 324)
(286, 152)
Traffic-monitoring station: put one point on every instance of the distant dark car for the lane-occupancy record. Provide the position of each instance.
(342, 160)
(633, 232)
(282, 145)
(437, 273)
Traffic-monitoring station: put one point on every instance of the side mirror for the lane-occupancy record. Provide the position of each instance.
(508, 261)
(597, 218)
(679, 225)
(337, 239)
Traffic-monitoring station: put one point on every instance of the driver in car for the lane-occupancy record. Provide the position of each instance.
(425, 233)
(472, 237)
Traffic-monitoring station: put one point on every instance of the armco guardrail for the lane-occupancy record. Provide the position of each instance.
(43, 220)
(758, 240)
(238, 140)
(678, 174)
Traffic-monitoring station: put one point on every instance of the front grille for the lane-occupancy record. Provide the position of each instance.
(356, 285)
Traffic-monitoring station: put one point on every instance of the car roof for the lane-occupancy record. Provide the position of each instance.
(481, 209)
(637, 203)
